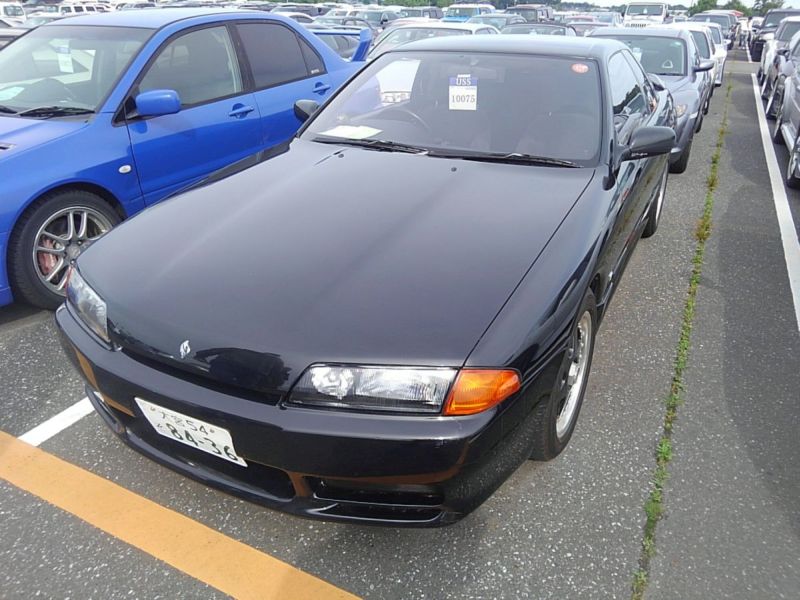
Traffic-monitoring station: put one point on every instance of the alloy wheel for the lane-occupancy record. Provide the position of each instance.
(576, 374)
(61, 239)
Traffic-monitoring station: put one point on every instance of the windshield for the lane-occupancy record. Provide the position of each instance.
(411, 12)
(496, 21)
(398, 37)
(11, 10)
(658, 55)
(774, 18)
(529, 14)
(457, 103)
(460, 11)
(701, 41)
(373, 16)
(720, 20)
(66, 66)
(584, 28)
(647, 10)
(534, 29)
(788, 31)
(605, 17)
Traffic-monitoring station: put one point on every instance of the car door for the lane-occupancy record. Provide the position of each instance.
(632, 109)
(285, 68)
(791, 103)
(218, 122)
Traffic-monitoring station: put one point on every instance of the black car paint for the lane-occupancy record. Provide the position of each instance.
(436, 269)
(690, 89)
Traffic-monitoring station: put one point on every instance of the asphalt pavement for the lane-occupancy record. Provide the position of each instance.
(571, 528)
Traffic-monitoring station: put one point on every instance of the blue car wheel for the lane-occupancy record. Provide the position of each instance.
(47, 240)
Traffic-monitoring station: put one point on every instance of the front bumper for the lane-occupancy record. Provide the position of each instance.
(325, 464)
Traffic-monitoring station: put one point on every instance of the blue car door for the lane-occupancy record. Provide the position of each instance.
(218, 122)
(285, 69)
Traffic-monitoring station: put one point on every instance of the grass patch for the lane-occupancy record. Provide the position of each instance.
(654, 505)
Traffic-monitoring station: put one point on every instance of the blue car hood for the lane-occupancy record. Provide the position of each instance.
(21, 134)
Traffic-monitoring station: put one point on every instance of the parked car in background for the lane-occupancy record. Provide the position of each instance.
(12, 12)
(787, 125)
(302, 18)
(722, 20)
(768, 28)
(539, 29)
(32, 8)
(720, 53)
(783, 34)
(532, 13)
(403, 34)
(645, 14)
(417, 350)
(610, 18)
(584, 28)
(345, 42)
(671, 56)
(705, 47)
(155, 101)
(378, 19)
(460, 13)
(498, 20)
(786, 62)
(347, 22)
(429, 12)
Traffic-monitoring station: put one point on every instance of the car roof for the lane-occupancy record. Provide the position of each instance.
(673, 32)
(791, 19)
(442, 25)
(690, 25)
(518, 44)
(150, 18)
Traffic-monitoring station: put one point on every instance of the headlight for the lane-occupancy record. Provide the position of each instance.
(404, 389)
(680, 110)
(89, 306)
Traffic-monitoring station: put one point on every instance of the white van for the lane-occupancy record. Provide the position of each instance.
(644, 14)
(76, 8)
(12, 12)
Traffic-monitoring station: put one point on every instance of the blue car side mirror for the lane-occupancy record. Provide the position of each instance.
(157, 102)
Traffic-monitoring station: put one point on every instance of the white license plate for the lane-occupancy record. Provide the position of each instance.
(191, 431)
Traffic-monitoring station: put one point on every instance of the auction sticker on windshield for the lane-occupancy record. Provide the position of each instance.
(463, 92)
(353, 132)
(190, 431)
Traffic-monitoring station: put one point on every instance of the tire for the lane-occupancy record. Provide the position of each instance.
(699, 125)
(776, 135)
(654, 214)
(553, 426)
(49, 215)
(766, 88)
(680, 165)
(775, 98)
(790, 178)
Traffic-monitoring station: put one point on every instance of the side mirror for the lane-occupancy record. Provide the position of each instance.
(649, 141)
(157, 102)
(783, 52)
(657, 82)
(705, 65)
(303, 109)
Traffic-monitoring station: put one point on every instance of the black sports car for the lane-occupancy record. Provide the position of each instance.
(670, 55)
(382, 322)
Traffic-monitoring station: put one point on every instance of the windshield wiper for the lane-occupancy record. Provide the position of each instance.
(386, 145)
(509, 157)
(55, 111)
(6, 109)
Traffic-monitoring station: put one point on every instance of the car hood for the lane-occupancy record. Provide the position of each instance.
(328, 254)
(677, 83)
(19, 134)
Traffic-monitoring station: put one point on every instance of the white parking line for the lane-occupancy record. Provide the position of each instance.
(41, 433)
(791, 246)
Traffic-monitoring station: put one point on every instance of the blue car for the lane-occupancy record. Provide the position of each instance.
(104, 115)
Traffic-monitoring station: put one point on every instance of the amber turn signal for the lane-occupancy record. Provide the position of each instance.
(475, 390)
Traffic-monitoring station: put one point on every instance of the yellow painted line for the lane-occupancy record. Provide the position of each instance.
(228, 565)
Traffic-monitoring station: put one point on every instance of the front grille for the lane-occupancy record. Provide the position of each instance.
(637, 24)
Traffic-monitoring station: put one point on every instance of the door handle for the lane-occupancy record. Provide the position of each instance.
(240, 110)
(321, 88)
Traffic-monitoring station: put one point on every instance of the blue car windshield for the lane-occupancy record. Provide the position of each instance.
(66, 66)
(444, 103)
